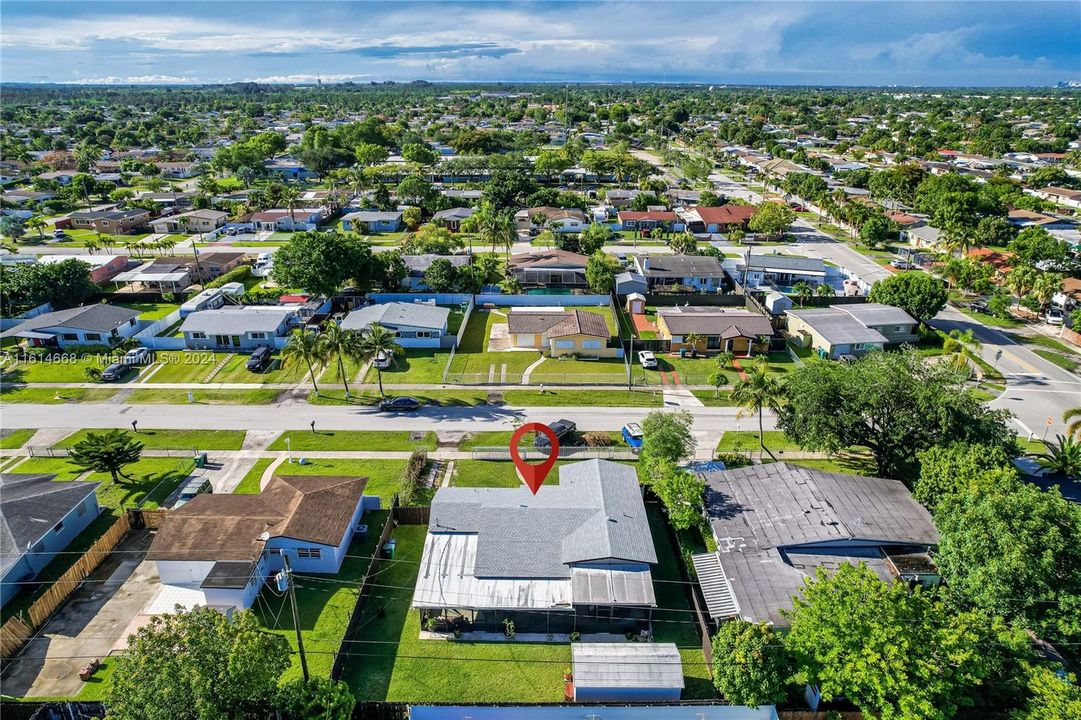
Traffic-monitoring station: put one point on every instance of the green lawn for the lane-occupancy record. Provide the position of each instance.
(394, 664)
(490, 473)
(472, 358)
(250, 484)
(554, 371)
(47, 465)
(55, 396)
(152, 311)
(185, 367)
(846, 465)
(991, 320)
(1043, 341)
(58, 369)
(169, 396)
(710, 398)
(324, 604)
(387, 440)
(577, 398)
(1063, 361)
(332, 375)
(748, 440)
(371, 397)
(151, 480)
(174, 439)
(696, 371)
(12, 439)
(384, 476)
(234, 371)
(422, 366)
(500, 438)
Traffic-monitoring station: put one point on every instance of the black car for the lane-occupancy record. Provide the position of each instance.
(399, 404)
(259, 359)
(980, 306)
(561, 428)
(115, 372)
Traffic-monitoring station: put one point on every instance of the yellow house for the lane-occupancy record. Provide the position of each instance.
(735, 330)
(571, 332)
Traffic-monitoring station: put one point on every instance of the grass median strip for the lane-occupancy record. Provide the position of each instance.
(55, 396)
(174, 439)
(168, 396)
(15, 438)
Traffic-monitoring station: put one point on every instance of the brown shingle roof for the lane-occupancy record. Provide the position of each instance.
(715, 321)
(555, 324)
(315, 509)
(725, 214)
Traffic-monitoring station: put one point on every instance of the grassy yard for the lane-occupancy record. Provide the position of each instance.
(394, 664)
(710, 398)
(991, 320)
(555, 371)
(55, 396)
(384, 476)
(577, 398)
(472, 357)
(331, 374)
(736, 441)
(185, 367)
(387, 440)
(324, 604)
(422, 366)
(174, 439)
(250, 484)
(848, 464)
(235, 371)
(371, 397)
(12, 439)
(152, 311)
(501, 438)
(150, 481)
(59, 369)
(169, 396)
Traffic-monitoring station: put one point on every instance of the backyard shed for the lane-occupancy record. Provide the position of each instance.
(636, 304)
(626, 672)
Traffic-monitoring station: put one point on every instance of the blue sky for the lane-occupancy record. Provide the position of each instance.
(818, 43)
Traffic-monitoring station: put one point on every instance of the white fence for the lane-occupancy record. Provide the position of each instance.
(148, 336)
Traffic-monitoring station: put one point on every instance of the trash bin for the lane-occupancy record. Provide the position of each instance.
(200, 460)
(683, 352)
(362, 532)
(389, 547)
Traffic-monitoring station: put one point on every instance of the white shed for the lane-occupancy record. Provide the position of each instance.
(626, 672)
(636, 304)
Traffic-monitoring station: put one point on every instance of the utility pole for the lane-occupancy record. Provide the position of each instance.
(296, 615)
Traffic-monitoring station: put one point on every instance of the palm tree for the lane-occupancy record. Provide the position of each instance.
(724, 359)
(963, 345)
(289, 196)
(1072, 418)
(36, 222)
(693, 339)
(757, 391)
(376, 341)
(1045, 287)
(304, 345)
(342, 343)
(1061, 457)
(824, 290)
(1020, 279)
(92, 244)
(803, 290)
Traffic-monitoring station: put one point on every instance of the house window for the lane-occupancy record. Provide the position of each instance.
(565, 344)
(92, 336)
(105, 223)
(407, 333)
(899, 328)
(276, 551)
(58, 527)
(198, 336)
(424, 334)
(309, 553)
(591, 344)
(69, 336)
(258, 335)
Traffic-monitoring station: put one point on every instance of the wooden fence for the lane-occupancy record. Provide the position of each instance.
(15, 632)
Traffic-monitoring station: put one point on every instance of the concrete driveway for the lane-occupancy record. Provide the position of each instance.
(93, 623)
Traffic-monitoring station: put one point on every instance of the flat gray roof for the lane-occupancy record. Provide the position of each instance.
(233, 320)
(626, 665)
(397, 314)
(871, 314)
(838, 327)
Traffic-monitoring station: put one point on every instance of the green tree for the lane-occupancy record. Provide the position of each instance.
(803, 290)
(684, 244)
(441, 276)
(917, 293)
(594, 237)
(894, 653)
(320, 263)
(420, 154)
(318, 699)
(376, 340)
(12, 227)
(1050, 697)
(339, 343)
(755, 392)
(718, 380)
(667, 435)
(750, 664)
(415, 190)
(724, 359)
(680, 491)
(601, 269)
(197, 665)
(948, 472)
(369, 154)
(1015, 553)
(110, 451)
(304, 346)
(412, 217)
(893, 403)
(772, 219)
(877, 231)
(64, 284)
(1035, 245)
(964, 346)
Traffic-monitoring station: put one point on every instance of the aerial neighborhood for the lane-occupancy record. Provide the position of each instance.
(803, 368)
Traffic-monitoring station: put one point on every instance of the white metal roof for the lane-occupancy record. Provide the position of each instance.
(720, 600)
(626, 665)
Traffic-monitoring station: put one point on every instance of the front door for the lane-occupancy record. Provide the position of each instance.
(236, 341)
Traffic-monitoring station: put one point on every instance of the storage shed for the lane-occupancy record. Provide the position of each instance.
(626, 672)
(636, 304)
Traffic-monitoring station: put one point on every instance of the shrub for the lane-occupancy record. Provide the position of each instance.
(410, 485)
(596, 439)
(733, 460)
(237, 274)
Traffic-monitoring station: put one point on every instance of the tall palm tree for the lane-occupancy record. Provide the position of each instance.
(289, 196)
(963, 345)
(36, 222)
(803, 290)
(1045, 287)
(341, 343)
(825, 290)
(757, 391)
(1072, 418)
(304, 346)
(1061, 457)
(376, 341)
(1021, 278)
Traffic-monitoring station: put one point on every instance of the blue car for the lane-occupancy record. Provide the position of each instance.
(632, 435)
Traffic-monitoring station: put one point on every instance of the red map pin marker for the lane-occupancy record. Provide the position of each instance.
(533, 475)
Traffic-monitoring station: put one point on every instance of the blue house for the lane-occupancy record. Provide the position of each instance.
(38, 518)
(222, 549)
(372, 221)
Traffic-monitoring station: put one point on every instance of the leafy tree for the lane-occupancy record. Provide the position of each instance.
(917, 293)
(594, 237)
(680, 491)
(1015, 554)
(948, 472)
(771, 218)
(1050, 697)
(893, 403)
(718, 380)
(339, 343)
(642, 201)
(750, 664)
(414, 190)
(803, 290)
(12, 227)
(391, 268)
(412, 216)
(374, 341)
(506, 189)
(757, 391)
(441, 275)
(601, 269)
(708, 198)
(684, 244)
(877, 231)
(667, 435)
(108, 451)
(304, 346)
(1035, 245)
(1061, 457)
(432, 239)
(895, 654)
(420, 154)
(320, 698)
(370, 154)
(320, 263)
(64, 284)
(197, 665)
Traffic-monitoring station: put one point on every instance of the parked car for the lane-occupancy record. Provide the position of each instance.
(1054, 316)
(561, 428)
(195, 486)
(136, 356)
(259, 360)
(901, 264)
(647, 359)
(847, 359)
(115, 372)
(980, 306)
(632, 435)
(58, 233)
(383, 360)
(399, 404)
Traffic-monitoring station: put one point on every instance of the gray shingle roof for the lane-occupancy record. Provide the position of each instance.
(95, 318)
(232, 320)
(398, 314)
(30, 506)
(837, 327)
(373, 216)
(458, 213)
(774, 523)
(715, 321)
(790, 263)
(680, 266)
(594, 513)
(871, 314)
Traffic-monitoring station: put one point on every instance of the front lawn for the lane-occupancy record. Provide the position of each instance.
(579, 398)
(332, 376)
(151, 311)
(371, 397)
(501, 438)
(477, 364)
(62, 368)
(55, 396)
(12, 439)
(555, 371)
(173, 439)
(150, 481)
(169, 396)
(324, 604)
(384, 476)
(710, 398)
(185, 366)
(235, 371)
(420, 366)
(392, 663)
(345, 440)
(251, 483)
(775, 440)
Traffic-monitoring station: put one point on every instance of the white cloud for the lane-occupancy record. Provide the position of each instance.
(305, 78)
(138, 80)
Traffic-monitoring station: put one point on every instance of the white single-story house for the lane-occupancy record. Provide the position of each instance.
(702, 272)
(373, 221)
(238, 328)
(195, 221)
(851, 329)
(223, 548)
(84, 325)
(282, 220)
(415, 324)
